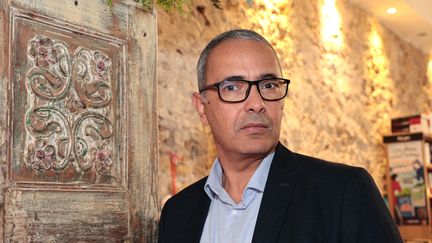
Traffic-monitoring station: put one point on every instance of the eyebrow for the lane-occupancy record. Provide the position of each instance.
(239, 77)
(269, 75)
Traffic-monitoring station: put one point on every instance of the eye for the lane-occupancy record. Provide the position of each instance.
(270, 84)
(230, 86)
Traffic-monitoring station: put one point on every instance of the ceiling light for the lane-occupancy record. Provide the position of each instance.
(391, 10)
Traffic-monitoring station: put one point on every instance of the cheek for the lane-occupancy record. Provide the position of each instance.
(276, 112)
(225, 119)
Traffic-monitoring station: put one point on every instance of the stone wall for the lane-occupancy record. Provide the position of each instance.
(349, 76)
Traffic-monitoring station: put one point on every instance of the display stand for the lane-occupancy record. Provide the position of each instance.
(409, 177)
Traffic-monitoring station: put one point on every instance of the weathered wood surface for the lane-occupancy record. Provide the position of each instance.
(50, 216)
(3, 109)
(143, 147)
(78, 123)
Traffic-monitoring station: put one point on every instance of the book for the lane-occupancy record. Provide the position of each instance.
(415, 123)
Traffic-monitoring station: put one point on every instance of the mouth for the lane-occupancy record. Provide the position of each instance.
(255, 128)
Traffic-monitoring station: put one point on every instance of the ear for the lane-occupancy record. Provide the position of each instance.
(198, 102)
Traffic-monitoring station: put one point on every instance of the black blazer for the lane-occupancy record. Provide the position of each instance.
(306, 200)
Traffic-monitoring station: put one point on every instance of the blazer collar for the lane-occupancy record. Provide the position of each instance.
(281, 181)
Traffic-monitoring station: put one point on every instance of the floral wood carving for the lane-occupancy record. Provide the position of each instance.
(67, 122)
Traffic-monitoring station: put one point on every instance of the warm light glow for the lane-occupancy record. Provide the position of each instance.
(274, 3)
(331, 33)
(391, 10)
(429, 69)
(377, 62)
(375, 41)
(376, 49)
(272, 18)
(333, 68)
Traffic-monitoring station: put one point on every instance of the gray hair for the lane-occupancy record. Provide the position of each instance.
(241, 34)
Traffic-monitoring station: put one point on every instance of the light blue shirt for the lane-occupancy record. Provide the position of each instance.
(228, 222)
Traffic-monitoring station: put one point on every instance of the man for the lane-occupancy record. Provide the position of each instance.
(258, 190)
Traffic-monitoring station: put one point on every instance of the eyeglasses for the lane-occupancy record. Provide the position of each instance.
(234, 91)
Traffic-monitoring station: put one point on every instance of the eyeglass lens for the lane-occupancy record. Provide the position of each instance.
(238, 90)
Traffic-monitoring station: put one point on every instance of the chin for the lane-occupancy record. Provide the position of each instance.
(257, 147)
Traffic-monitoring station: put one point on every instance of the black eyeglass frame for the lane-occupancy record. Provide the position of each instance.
(251, 83)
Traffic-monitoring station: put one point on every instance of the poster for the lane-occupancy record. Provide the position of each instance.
(408, 182)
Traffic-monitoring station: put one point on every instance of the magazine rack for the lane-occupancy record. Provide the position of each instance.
(409, 178)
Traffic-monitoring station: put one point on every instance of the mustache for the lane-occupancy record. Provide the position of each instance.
(255, 119)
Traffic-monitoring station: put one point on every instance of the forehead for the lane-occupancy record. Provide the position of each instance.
(246, 58)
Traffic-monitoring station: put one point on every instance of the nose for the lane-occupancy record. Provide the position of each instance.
(254, 101)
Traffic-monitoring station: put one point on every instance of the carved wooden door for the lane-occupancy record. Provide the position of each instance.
(77, 121)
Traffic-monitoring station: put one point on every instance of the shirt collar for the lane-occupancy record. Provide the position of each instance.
(258, 180)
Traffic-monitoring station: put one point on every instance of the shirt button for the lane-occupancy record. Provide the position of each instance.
(234, 211)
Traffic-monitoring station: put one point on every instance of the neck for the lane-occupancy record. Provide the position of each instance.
(236, 175)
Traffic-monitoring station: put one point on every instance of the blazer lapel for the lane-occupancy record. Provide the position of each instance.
(195, 222)
(277, 195)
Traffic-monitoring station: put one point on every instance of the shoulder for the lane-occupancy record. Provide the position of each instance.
(316, 172)
(327, 172)
(183, 212)
(327, 167)
(191, 194)
(310, 166)
(336, 181)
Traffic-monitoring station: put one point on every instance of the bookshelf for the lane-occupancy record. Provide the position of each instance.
(409, 184)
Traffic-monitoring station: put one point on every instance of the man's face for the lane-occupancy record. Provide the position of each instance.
(251, 127)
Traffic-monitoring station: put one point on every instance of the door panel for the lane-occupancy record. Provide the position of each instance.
(65, 216)
(79, 167)
(68, 108)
